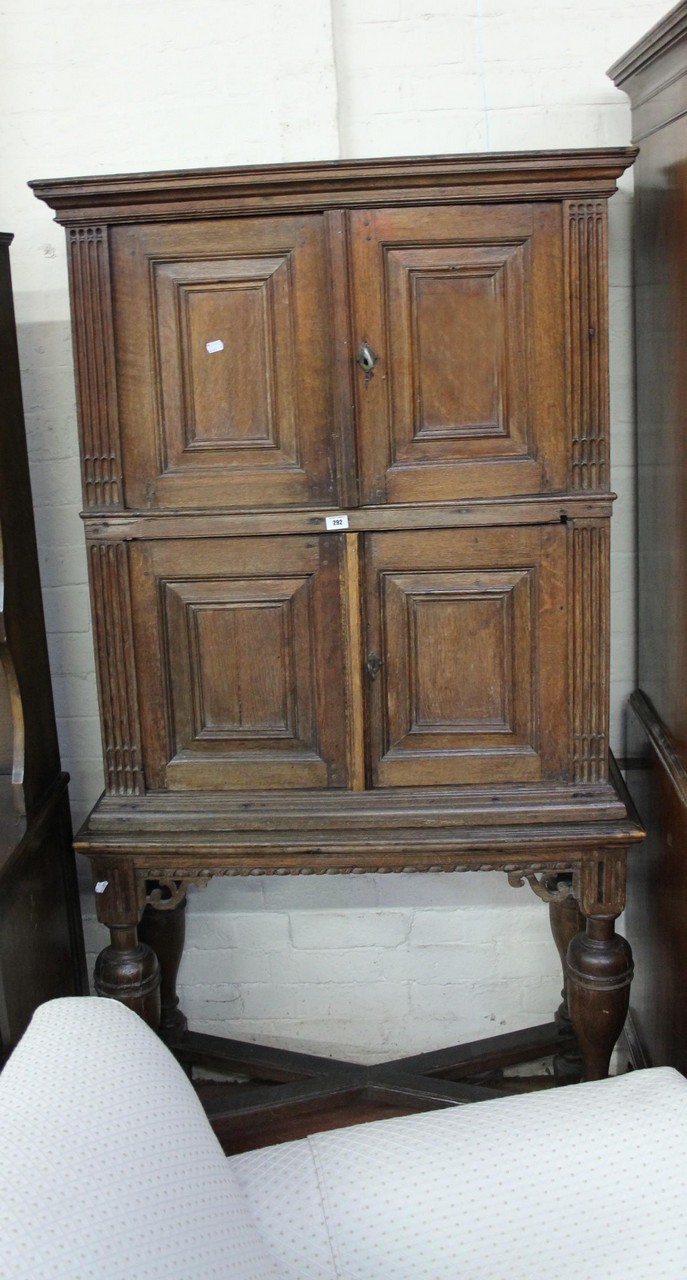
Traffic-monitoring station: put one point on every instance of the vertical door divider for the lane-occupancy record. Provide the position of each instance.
(343, 389)
(353, 623)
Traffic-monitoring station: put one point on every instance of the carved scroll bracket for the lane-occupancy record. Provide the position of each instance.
(168, 894)
(550, 888)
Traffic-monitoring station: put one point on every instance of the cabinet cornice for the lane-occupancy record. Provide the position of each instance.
(491, 177)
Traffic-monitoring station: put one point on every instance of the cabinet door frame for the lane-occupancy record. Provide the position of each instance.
(195, 307)
(497, 272)
(273, 606)
(505, 588)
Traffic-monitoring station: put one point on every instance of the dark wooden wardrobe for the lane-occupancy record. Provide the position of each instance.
(41, 944)
(654, 75)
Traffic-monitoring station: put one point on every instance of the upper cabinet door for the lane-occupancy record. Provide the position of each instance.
(459, 332)
(222, 333)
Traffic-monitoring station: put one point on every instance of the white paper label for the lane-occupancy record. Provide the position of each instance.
(101, 886)
(334, 523)
(217, 345)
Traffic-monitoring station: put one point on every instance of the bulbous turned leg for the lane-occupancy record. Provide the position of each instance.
(128, 971)
(566, 921)
(163, 928)
(599, 973)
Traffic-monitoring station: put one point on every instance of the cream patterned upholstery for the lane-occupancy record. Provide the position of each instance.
(109, 1169)
(588, 1183)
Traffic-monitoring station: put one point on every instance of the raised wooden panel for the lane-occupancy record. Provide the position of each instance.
(471, 633)
(233, 394)
(235, 641)
(241, 374)
(463, 311)
(242, 644)
(457, 389)
(456, 314)
(251, 698)
(469, 614)
(223, 334)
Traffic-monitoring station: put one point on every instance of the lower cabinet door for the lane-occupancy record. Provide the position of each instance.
(240, 663)
(244, 682)
(467, 656)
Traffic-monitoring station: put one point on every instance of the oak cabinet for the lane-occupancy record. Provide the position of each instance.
(344, 434)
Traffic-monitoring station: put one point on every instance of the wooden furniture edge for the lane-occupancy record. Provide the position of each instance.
(665, 33)
(335, 184)
(661, 743)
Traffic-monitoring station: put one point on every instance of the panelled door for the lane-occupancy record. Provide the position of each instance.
(240, 662)
(459, 318)
(224, 352)
(227, 358)
(247, 678)
(467, 634)
(423, 657)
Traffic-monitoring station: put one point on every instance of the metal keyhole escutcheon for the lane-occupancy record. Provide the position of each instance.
(373, 665)
(366, 359)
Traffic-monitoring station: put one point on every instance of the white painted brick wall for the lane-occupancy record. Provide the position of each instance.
(362, 966)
